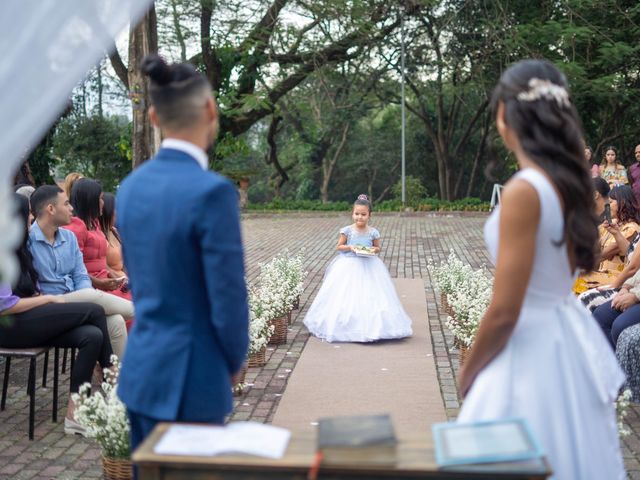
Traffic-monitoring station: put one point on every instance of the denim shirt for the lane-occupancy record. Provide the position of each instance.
(60, 266)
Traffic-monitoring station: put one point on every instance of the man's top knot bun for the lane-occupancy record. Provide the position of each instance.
(157, 69)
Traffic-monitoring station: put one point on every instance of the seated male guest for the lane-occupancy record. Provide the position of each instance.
(35, 320)
(58, 261)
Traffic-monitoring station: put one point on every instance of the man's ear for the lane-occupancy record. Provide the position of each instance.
(153, 116)
(212, 109)
(50, 208)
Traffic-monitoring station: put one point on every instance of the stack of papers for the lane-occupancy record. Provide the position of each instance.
(237, 438)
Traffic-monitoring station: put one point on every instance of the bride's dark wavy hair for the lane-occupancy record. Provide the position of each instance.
(550, 132)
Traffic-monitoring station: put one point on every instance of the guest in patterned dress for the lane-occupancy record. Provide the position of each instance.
(615, 240)
(626, 220)
(612, 170)
(628, 353)
(596, 296)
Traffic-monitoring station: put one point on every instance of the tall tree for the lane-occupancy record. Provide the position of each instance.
(143, 39)
(323, 110)
(253, 65)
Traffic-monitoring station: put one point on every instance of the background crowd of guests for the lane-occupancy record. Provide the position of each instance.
(613, 171)
(612, 291)
(73, 290)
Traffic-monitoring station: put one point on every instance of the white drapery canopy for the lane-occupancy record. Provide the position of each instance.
(46, 47)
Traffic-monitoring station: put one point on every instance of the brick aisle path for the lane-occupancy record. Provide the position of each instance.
(408, 242)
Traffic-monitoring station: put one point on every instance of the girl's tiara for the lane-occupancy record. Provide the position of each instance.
(545, 89)
(362, 196)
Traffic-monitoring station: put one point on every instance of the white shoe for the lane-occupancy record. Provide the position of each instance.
(72, 427)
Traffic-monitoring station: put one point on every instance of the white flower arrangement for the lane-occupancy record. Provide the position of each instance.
(448, 275)
(105, 417)
(622, 406)
(260, 331)
(292, 270)
(468, 293)
(469, 302)
(280, 283)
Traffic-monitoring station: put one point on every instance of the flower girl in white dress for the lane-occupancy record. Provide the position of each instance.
(357, 301)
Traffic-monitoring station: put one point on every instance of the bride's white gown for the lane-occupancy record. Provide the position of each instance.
(357, 301)
(557, 370)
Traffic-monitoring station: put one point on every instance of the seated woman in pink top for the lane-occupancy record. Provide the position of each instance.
(87, 202)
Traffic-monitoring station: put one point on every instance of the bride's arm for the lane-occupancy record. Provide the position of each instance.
(519, 219)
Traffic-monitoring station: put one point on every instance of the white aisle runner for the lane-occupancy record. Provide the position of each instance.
(397, 377)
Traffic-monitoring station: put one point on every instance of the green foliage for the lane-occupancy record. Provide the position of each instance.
(40, 161)
(98, 147)
(414, 190)
(421, 204)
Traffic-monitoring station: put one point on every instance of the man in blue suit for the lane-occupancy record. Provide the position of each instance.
(180, 232)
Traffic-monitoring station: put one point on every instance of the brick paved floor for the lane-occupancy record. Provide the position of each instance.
(408, 242)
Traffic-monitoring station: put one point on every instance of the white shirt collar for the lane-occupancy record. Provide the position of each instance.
(188, 148)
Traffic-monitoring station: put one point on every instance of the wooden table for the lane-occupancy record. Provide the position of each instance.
(415, 459)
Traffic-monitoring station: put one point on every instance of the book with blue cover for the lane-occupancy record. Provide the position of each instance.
(507, 440)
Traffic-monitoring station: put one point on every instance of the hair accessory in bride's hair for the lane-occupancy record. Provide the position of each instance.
(362, 196)
(545, 89)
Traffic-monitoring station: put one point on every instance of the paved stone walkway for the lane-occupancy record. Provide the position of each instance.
(408, 242)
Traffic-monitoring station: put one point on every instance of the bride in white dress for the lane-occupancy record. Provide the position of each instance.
(357, 301)
(538, 353)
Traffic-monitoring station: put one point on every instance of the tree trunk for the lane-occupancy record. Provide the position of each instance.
(329, 165)
(479, 154)
(142, 41)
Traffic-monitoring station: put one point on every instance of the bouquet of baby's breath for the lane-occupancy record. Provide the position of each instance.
(105, 416)
(448, 275)
(469, 302)
(260, 331)
(622, 405)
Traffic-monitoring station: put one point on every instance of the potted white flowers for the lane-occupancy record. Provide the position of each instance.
(465, 295)
(105, 418)
(260, 329)
(279, 285)
(293, 270)
(469, 302)
(447, 276)
(274, 297)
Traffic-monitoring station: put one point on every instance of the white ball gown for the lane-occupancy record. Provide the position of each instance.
(557, 370)
(357, 301)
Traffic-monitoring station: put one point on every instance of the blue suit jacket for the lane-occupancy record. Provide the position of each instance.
(180, 232)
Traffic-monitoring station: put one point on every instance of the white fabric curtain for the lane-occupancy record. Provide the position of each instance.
(46, 48)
